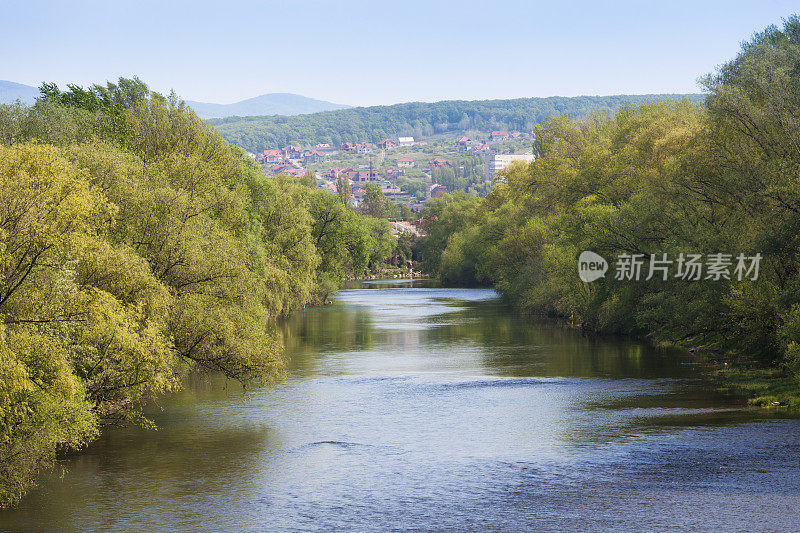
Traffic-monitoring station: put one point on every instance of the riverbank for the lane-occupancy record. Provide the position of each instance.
(737, 377)
(752, 385)
(759, 387)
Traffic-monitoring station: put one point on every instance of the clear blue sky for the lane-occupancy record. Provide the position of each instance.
(366, 53)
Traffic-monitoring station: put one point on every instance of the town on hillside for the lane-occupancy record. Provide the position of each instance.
(408, 171)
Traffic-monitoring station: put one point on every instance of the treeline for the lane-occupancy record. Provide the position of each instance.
(136, 245)
(660, 178)
(415, 119)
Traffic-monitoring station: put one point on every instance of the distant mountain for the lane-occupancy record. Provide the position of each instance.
(418, 119)
(11, 91)
(266, 104)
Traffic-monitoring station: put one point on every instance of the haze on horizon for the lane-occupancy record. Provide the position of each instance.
(367, 53)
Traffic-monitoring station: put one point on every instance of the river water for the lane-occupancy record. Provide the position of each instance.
(414, 408)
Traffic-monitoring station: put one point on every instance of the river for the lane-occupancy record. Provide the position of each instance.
(415, 408)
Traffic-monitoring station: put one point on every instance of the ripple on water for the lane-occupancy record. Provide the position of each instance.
(437, 409)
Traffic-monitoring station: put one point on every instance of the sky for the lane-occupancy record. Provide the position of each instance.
(371, 53)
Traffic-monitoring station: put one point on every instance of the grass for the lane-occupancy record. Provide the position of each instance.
(767, 388)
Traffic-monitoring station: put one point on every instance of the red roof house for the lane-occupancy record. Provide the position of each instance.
(405, 162)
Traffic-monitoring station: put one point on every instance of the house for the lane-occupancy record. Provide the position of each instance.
(286, 167)
(394, 173)
(478, 148)
(405, 141)
(324, 148)
(405, 162)
(336, 171)
(279, 168)
(296, 172)
(364, 148)
(499, 135)
(356, 175)
(387, 187)
(463, 142)
(313, 156)
(387, 144)
(439, 162)
(421, 143)
(363, 175)
(271, 156)
(348, 147)
(292, 152)
(435, 190)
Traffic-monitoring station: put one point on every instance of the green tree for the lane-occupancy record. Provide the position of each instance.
(136, 245)
(343, 188)
(374, 203)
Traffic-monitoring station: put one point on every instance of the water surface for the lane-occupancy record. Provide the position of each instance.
(414, 408)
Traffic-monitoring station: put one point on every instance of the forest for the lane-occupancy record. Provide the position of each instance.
(137, 246)
(670, 177)
(417, 119)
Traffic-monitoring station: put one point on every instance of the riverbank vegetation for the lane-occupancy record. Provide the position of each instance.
(659, 178)
(136, 245)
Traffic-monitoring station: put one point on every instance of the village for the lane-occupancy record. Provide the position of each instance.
(408, 171)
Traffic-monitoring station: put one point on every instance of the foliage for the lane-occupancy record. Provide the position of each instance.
(375, 203)
(445, 216)
(667, 177)
(415, 119)
(136, 245)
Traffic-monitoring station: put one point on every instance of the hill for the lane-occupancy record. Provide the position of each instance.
(11, 91)
(418, 119)
(266, 104)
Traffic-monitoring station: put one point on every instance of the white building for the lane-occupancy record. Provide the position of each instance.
(500, 161)
(405, 141)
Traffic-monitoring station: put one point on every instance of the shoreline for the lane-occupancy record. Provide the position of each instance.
(755, 386)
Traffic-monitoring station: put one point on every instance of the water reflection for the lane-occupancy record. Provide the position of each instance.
(415, 407)
(471, 323)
